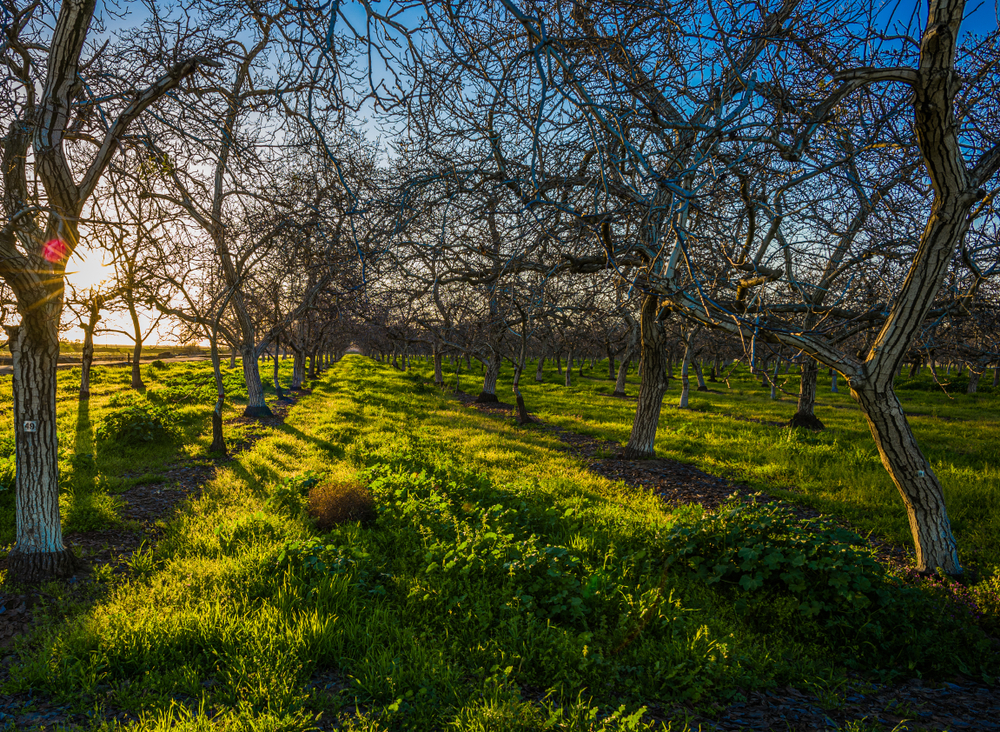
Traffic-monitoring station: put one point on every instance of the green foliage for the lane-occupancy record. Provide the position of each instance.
(754, 546)
(133, 420)
(289, 494)
(158, 364)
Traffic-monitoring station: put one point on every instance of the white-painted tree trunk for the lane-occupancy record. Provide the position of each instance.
(38, 550)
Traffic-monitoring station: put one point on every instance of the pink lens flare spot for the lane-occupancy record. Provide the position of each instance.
(55, 250)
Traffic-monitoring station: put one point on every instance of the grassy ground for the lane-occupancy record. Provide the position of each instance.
(837, 471)
(94, 472)
(502, 587)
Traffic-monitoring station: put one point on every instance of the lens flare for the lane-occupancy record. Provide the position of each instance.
(55, 250)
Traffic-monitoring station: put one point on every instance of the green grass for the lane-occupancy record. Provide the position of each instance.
(837, 471)
(502, 587)
(92, 471)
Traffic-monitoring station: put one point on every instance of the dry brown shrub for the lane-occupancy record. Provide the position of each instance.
(333, 503)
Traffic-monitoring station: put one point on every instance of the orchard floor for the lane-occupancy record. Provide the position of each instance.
(107, 653)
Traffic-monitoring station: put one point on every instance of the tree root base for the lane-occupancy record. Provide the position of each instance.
(618, 394)
(32, 567)
(808, 421)
(258, 412)
(631, 453)
(486, 398)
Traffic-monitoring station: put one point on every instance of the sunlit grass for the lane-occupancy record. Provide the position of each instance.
(499, 572)
(837, 471)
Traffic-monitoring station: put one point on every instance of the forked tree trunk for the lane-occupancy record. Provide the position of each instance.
(256, 406)
(489, 393)
(38, 551)
(805, 414)
(917, 484)
(652, 372)
(218, 438)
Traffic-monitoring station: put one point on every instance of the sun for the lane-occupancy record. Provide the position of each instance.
(89, 271)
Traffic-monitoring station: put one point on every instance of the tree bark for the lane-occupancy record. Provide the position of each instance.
(438, 371)
(569, 369)
(701, 377)
(87, 356)
(218, 438)
(38, 551)
(539, 376)
(917, 484)
(653, 385)
(805, 414)
(682, 402)
(833, 381)
(974, 377)
(489, 393)
(620, 382)
(256, 406)
(136, 348)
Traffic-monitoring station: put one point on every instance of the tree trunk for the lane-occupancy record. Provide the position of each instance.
(538, 371)
(256, 406)
(805, 415)
(559, 365)
(622, 376)
(974, 377)
(611, 364)
(438, 371)
(277, 377)
(136, 349)
(87, 357)
(996, 376)
(522, 412)
(218, 438)
(298, 368)
(682, 403)
(915, 368)
(232, 357)
(652, 372)
(833, 381)
(701, 378)
(916, 482)
(569, 369)
(38, 552)
(489, 393)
